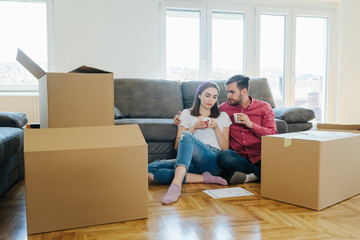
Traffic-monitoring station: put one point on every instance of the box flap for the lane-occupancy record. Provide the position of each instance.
(315, 135)
(334, 127)
(87, 69)
(29, 64)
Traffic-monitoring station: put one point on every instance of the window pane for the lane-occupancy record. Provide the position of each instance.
(311, 64)
(23, 25)
(272, 54)
(182, 45)
(227, 44)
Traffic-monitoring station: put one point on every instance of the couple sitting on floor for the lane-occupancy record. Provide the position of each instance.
(205, 133)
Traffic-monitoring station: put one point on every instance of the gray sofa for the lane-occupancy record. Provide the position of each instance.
(153, 103)
(11, 149)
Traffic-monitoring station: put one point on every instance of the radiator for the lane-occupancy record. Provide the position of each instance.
(25, 104)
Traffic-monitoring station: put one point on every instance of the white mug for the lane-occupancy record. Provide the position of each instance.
(207, 120)
(237, 118)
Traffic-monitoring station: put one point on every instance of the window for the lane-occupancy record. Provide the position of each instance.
(183, 44)
(202, 42)
(297, 75)
(227, 44)
(23, 26)
(272, 54)
(289, 45)
(311, 63)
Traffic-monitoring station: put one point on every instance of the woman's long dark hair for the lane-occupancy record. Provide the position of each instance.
(195, 109)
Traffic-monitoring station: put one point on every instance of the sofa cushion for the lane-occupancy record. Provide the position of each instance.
(11, 141)
(259, 89)
(298, 127)
(294, 114)
(11, 171)
(13, 119)
(189, 90)
(153, 129)
(148, 98)
(161, 150)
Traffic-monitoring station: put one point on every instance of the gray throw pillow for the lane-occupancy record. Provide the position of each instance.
(117, 113)
(13, 119)
(294, 114)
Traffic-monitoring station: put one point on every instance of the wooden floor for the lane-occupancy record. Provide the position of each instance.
(198, 216)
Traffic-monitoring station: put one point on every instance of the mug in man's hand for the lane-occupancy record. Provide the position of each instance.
(237, 118)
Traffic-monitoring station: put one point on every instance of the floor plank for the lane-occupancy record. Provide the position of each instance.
(198, 216)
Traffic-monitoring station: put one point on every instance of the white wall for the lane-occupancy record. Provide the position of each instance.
(115, 35)
(349, 89)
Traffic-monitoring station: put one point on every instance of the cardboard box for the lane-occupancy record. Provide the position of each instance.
(313, 169)
(84, 176)
(83, 97)
(355, 128)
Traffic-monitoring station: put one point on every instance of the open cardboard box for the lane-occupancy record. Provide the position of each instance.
(339, 127)
(312, 169)
(82, 97)
(84, 176)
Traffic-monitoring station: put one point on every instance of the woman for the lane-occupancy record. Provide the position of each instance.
(202, 135)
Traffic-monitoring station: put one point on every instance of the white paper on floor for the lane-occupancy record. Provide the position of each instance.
(228, 192)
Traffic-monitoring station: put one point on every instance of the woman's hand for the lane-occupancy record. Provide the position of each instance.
(199, 124)
(213, 123)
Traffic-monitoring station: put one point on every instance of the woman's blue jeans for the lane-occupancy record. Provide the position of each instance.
(193, 154)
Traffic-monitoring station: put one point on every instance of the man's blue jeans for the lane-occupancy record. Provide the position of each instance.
(193, 154)
(230, 161)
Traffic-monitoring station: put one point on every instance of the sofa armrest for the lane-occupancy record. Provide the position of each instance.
(13, 119)
(294, 114)
(281, 126)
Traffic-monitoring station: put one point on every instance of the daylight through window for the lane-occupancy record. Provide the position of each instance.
(23, 26)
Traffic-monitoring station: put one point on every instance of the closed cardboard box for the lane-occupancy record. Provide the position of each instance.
(84, 176)
(313, 169)
(83, 97)
(339, 127)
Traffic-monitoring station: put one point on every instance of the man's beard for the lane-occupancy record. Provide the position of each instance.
(236, 102)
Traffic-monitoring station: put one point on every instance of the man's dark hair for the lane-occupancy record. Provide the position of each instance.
(241, 80)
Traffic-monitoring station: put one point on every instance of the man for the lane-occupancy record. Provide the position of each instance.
(255, 119)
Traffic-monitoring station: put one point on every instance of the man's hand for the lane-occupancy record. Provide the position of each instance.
(177, 120)
(244, 119)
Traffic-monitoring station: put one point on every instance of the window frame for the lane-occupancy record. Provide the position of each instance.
(206, 10)
(248, 40)
(31, 89)
(287, 48)
(252, 42)
(201, 7)
(331, 72)
(291, 14)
